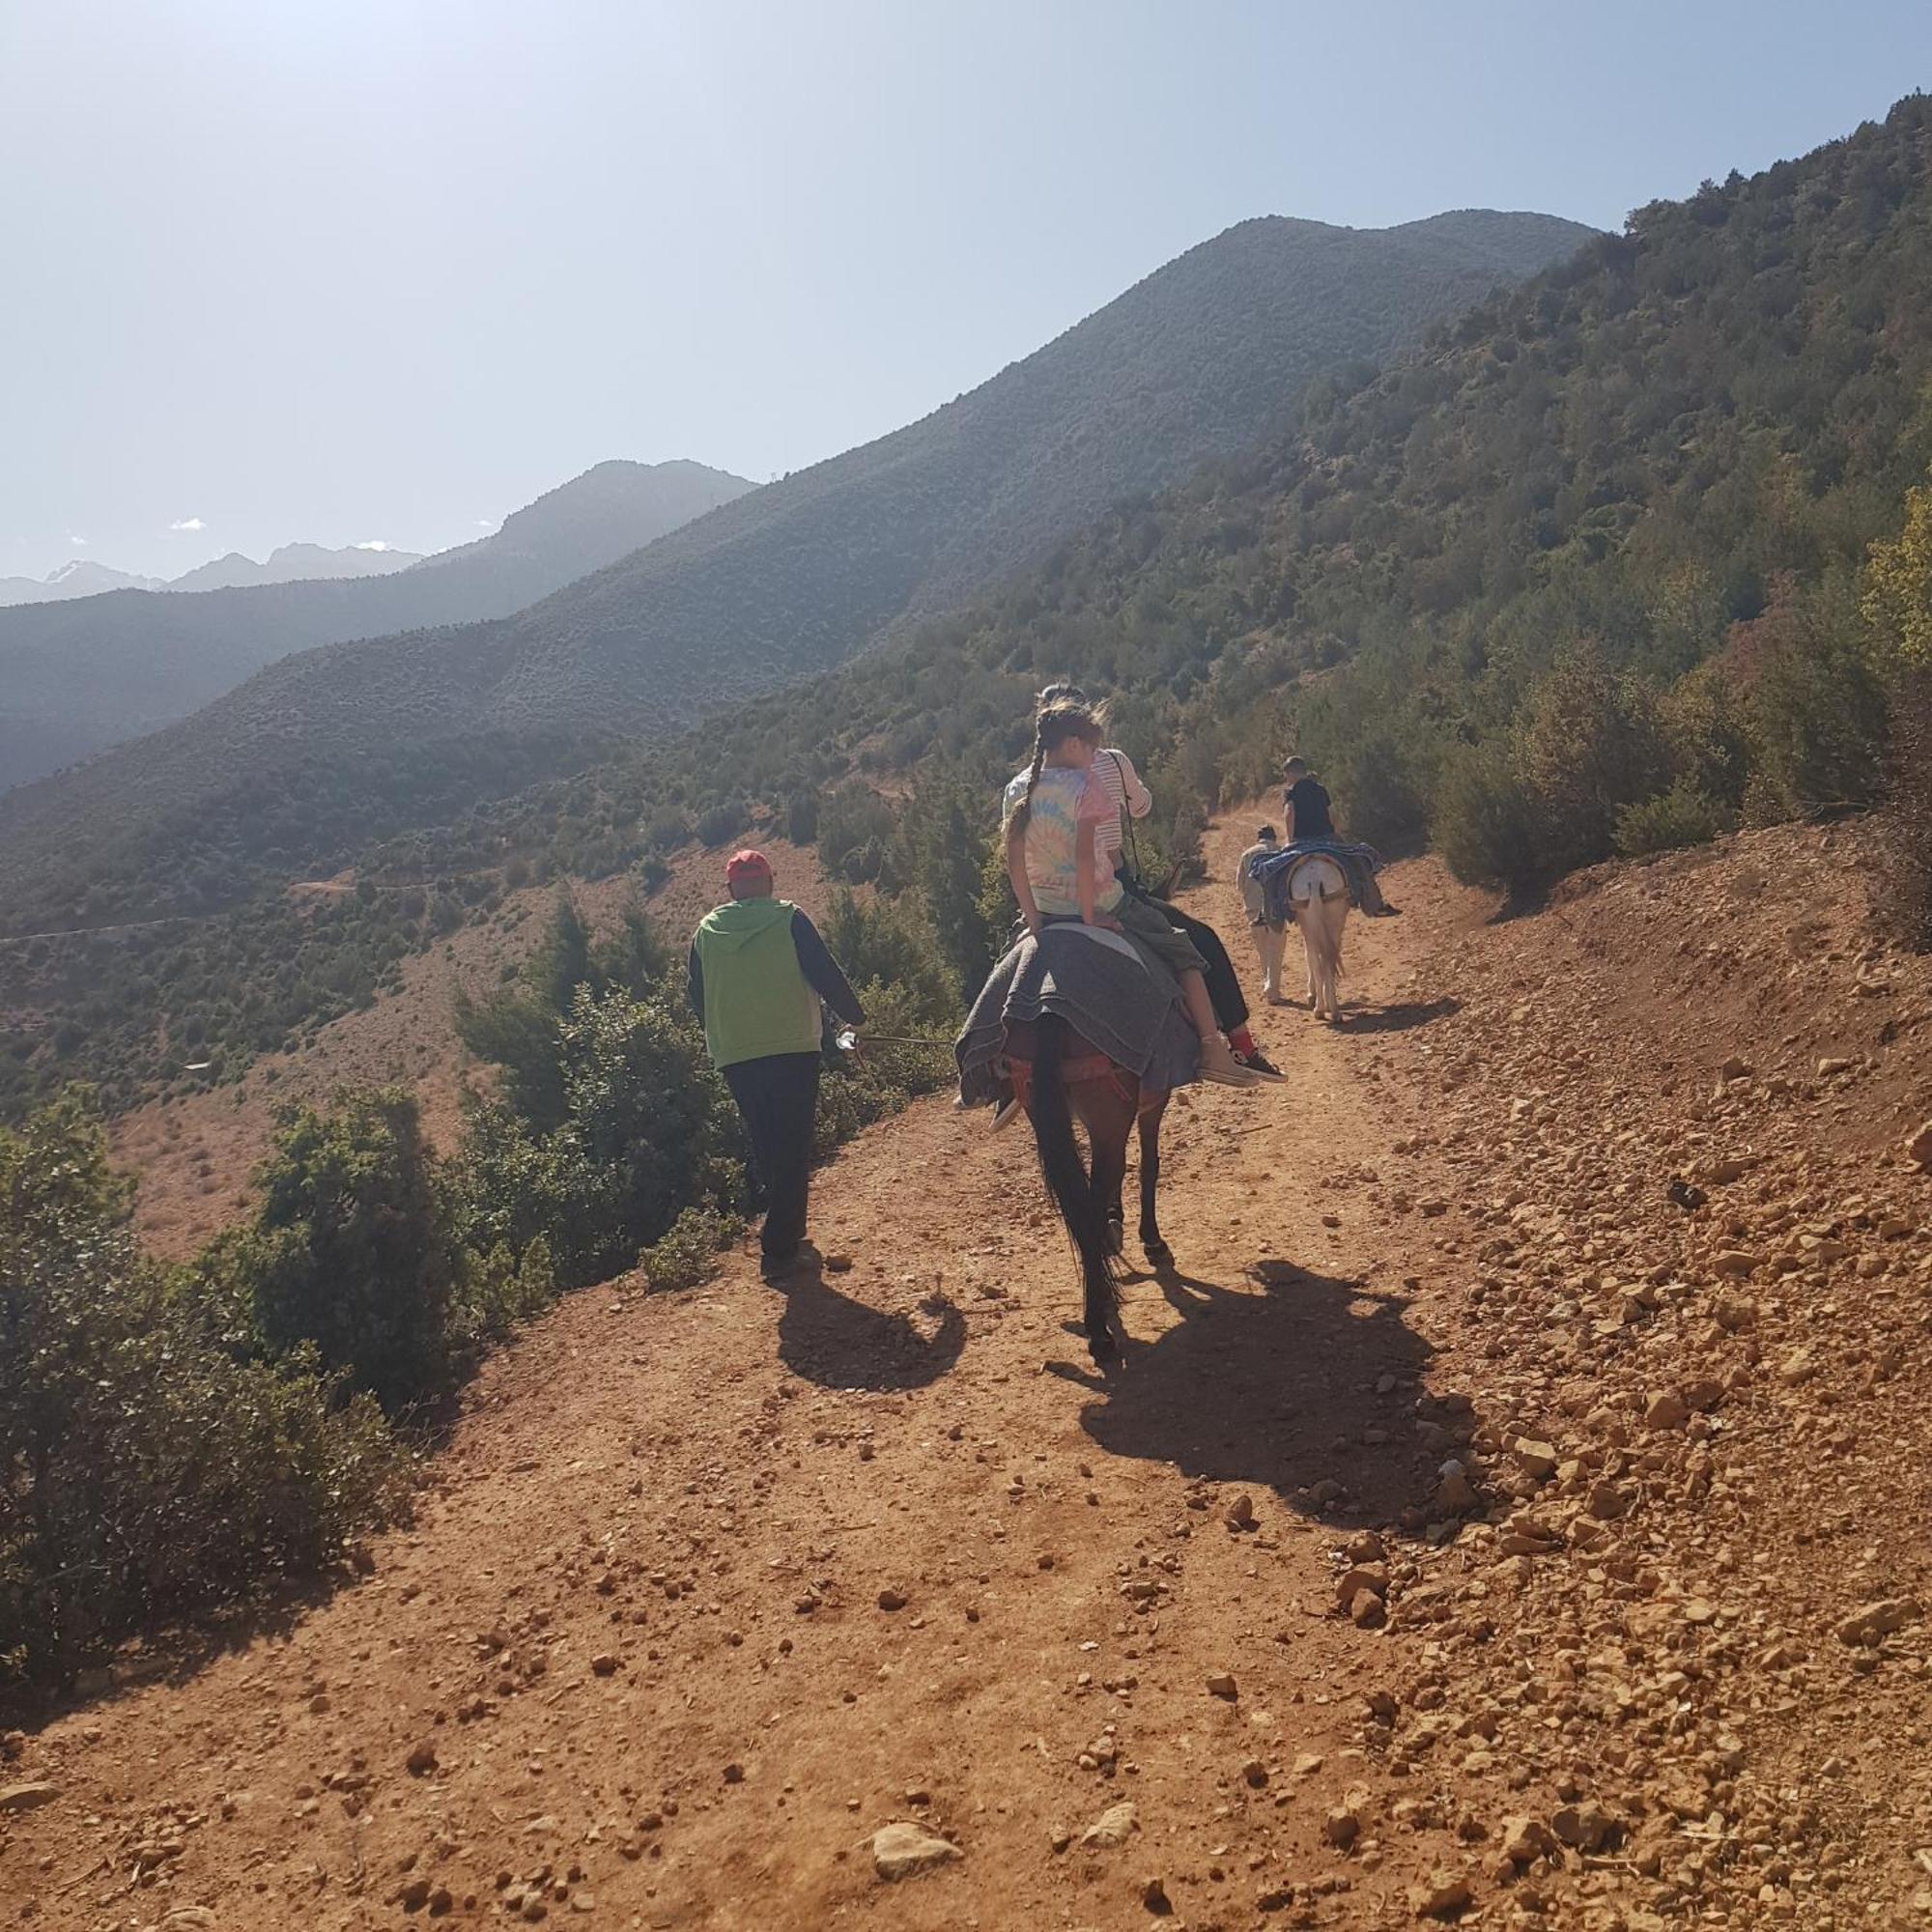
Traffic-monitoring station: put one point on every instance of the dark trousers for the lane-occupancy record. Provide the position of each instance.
(777, 1099)
(1224, 984)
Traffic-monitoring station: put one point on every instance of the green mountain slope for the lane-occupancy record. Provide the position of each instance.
(331, 747)
(1593, 560)
(80, 675)
(1601, 542)
(1590, 565)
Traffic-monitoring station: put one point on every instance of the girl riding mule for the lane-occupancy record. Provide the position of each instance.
(1056, 813)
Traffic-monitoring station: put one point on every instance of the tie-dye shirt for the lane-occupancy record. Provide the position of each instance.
(1063, 801)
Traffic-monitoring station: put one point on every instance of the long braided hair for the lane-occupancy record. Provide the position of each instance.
(1057, 720)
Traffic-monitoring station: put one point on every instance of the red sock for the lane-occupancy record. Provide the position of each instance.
(1240, 1039)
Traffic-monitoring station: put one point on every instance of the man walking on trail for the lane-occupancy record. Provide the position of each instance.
(1269, 934)
(758, 970)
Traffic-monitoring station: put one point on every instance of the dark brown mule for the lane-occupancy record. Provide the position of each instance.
(1061, 1076)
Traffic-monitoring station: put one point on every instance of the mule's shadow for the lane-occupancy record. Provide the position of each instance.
(829, 1339)
(1276, 1383)
(1401, 1017)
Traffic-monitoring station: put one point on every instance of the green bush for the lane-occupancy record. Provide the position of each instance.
(516, 1029)
(1588, 745)
(854, 824)
(944, 839)
(723, 822)
(1485, 821)
(686, 1254)
(887, 944)
(146, 1473)
(1905, 824)
(889, 1076)
(1680, 817)
(1814, 706)
(352, 1251)
(644, 1129)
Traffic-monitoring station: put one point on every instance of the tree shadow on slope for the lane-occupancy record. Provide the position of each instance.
(838, 1343)
(1276, 1383)
(176, 1654)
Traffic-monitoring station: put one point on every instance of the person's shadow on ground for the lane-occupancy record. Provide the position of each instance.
(1276, 1383)
(829, 1339)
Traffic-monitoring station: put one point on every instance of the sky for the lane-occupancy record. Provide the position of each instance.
(357, 270)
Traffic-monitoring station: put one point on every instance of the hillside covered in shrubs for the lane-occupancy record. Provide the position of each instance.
(176, 1440)
(1612, 561)
(333, 748)
(1621, 557)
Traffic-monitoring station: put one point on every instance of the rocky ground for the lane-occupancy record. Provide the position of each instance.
(1514, 1513)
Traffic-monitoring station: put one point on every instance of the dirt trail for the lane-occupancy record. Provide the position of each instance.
(634, 1665)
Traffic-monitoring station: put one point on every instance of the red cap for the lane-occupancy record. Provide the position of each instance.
(747, 865)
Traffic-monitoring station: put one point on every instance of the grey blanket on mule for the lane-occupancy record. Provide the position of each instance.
(1125, 1005)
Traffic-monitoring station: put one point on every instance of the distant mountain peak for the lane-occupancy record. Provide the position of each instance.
(78, 671)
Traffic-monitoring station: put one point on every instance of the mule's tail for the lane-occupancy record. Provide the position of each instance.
(1068, 1183)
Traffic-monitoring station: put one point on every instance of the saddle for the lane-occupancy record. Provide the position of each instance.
(1084, 1065)
(1274, 872)
(1119, 1010)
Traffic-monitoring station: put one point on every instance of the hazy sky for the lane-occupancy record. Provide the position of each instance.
(344, 269)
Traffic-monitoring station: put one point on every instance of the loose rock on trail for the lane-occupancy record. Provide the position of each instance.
(1512, 1513)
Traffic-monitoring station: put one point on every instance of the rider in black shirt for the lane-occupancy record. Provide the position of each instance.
(1307, 805)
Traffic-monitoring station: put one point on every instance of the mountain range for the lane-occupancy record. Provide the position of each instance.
(291, 563)
(329, 747)
(80, 674)
(294, 563)
(82, 576)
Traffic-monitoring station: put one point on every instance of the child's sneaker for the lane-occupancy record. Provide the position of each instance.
(1262, 1067)
(1219, 1065)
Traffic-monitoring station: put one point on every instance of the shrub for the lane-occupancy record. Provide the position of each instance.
(886, 945)
(854, 822)
(722, 822)
(1588, 745)
(1485, 821)
(645, 1108)
(516, 1029)
(940, 852)
(686, 1254)
(502, 1286)
(148, 1472)
(1898, 599)
(352, 1251)
(1681, 816)
(645, 1131)
(1905, 824)
(887, 1077)
(1814, 708)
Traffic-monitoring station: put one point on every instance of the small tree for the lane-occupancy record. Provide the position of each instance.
(1588, 745)
(1897, 600)
(1484, 822)
(352, 1251)
(145, 1471)
(645, 1109)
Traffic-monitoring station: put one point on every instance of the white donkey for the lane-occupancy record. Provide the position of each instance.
(1317, 894)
